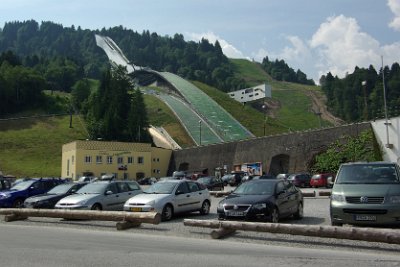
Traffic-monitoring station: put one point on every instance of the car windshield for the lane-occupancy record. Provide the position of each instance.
(367, 174)
(60, 189)
(93, 188)
(23, 185)
(161, 188)
(263, 188)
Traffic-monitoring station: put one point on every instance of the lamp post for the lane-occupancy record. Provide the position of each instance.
(264, 107)
(199, 132)
(388, 145)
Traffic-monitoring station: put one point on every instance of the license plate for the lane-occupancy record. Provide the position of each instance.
(136, 209)
(365, 218)
(236, 213)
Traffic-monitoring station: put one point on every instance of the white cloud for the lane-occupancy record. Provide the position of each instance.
(394, 6)
(229, 50)
(341, 45)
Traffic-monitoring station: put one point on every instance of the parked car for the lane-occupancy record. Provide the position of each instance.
(170, 197)
(262, 199)
(264, 176)
(320, 180)
(101, 195)
(236, 178)
(16, 195)
(226, 178)
(147, 180)
(87, 179)
(5, 184)
(212, 183)
(283, 176)
(49, 199)
(300, 179)
(366, 193)
(330, 181)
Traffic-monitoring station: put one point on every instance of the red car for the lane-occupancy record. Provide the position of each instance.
(320, 180)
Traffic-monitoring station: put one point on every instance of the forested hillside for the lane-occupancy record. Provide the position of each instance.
(360, 95)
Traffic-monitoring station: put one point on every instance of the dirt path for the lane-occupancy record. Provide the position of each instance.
(319, 106)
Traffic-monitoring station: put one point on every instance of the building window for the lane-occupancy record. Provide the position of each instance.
(88, 159)
(72, 160)
(109, 159)
(99, 159)
(140, 160)
(120, 160)
(158, 159)
(67, 167)
(130, 160)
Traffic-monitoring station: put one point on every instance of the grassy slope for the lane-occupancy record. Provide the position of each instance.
(32, 147)
(295, 111)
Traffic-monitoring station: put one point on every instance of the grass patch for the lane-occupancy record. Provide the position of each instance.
(251, 72)
(32, 147)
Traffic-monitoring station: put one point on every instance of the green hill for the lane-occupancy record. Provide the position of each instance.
(32, 146)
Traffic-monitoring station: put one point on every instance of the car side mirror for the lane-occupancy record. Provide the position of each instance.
(109, 192)
(178, 193)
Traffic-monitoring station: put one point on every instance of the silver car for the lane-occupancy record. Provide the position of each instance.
(101, 195)
(170, 197)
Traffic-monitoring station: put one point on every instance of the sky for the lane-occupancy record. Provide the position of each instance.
(315, 36)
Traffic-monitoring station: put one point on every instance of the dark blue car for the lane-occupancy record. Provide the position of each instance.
(16, 195)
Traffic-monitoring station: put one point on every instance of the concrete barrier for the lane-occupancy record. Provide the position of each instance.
(353, 233)
(125, 219)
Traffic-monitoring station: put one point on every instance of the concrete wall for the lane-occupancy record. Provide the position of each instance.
(387, 135)
(292, 152)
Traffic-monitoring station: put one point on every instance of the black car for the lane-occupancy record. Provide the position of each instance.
(212, 183)
(262, 199)
(49, 199)
(147, 181)
(236, 178)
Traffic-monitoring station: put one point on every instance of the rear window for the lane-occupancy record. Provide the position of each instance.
(367, 174)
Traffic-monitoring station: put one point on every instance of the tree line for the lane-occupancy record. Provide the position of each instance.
(281, 71)
(360, 95)
(42, 44)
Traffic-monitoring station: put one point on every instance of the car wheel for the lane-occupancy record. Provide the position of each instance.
(18, 203)
(167, 213)
(300, 211)
(205, 208)
(274, 215)
(96, 207)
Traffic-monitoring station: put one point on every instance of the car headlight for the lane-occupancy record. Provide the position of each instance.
(337, 198)
(394, 199)
(220, 205)
(5, 195)
(151, 203)
(82, 202)
(259, 206)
